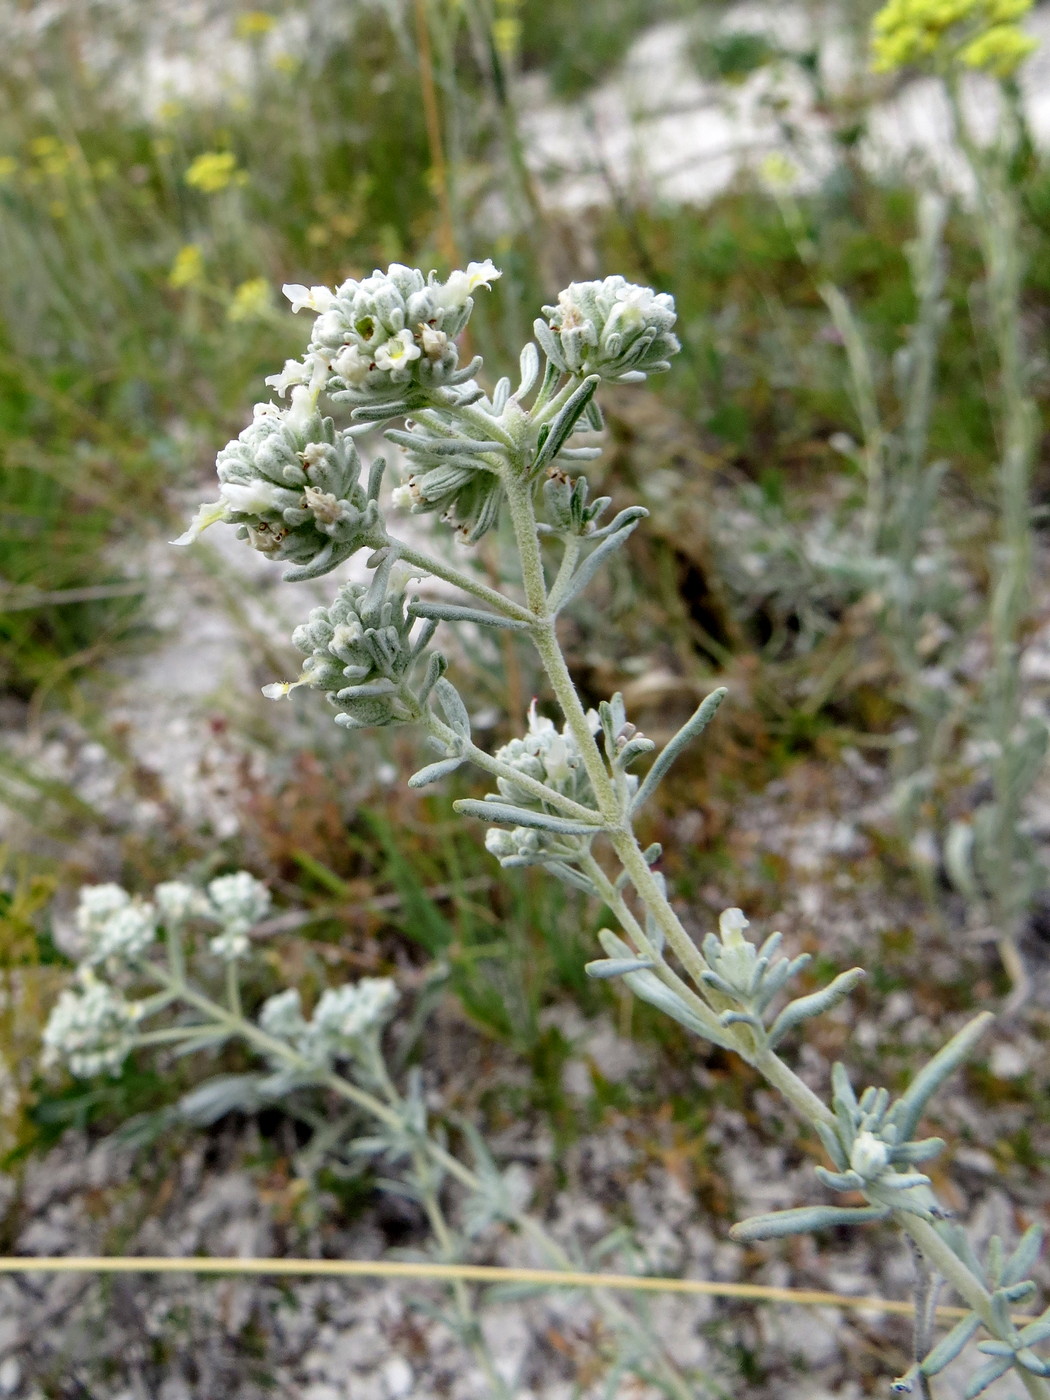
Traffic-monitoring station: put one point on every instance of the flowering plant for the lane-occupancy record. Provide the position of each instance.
(566, 797)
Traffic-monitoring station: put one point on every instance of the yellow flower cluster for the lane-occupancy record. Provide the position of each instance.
(188, 268)
(251, 300)
(983, 34)
(213, 171)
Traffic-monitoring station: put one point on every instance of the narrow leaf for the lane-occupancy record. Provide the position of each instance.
(1020, 1262)
(565, 422)
(452, 707)
(433, 772)
(529, 363)
(801, 1221)
(803, 1008)
(692, 729)
(590, 566)
(909, 1107)
(453, 612)
(605, 968)
(523, 816)
(950, 1345)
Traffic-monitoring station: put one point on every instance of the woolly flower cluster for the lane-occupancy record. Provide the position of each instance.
(984, 34)
(115, 927)
(358, 651)
(237, 901)
(387, 337)
(291, 482)
(612, 328)
(344, 1023)
(91, 1028)
(551, 758)
(118, 929)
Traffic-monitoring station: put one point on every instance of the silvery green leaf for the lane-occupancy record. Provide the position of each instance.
(1038, 1331)
(548, 344)
(1028, 1249)
(803, 1008)
(649, 987)
(803, 1220)
(437, 665)
(522, 816)
(590, 566)
(562, 426)
(605, 968)
(570, 876)
(983, 1378)
(630, 515)
(950, 1346)
(832, 1145)
(207, 1040)
(226, 1093)
(1019, 1292)
(922, 1151)
(452, 706)
(442, 447)
(909, 1107)
(614, 945)
(500, 395)
(453, 612)
(529, 364)
(375, 478)
(381, 412)
(958, 859)
(692, 729)
(1027, 1358)
(434, 772)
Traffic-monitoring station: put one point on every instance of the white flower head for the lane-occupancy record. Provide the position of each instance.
(345, 1016)
(353, 365)
(91, 1028)
(396, 354)
(461, 285)
(233, 942)
(239, 897)
(178, 901)
(434, 342)
(125, 935)
(98, 904)
(317, 299)
(282, 1016)
(731, 925)
(253, 497)
(869, 1156)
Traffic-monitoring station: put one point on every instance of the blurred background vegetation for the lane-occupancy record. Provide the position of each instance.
(147, 222)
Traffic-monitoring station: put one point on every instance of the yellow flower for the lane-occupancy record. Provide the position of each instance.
(778, 171)
(506, 35)
(42, 146)
(285, 63)
(976, 33)
(999, 50)
(188, 268)
(212, 171)
(8, 167)
(253, 23)
(250, 300)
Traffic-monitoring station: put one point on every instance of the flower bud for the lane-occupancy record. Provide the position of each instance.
(612, 328)
(359, 651)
